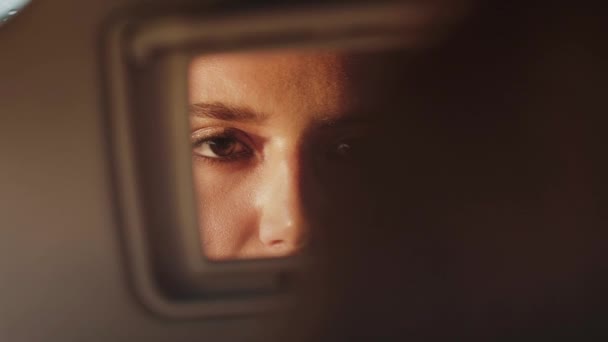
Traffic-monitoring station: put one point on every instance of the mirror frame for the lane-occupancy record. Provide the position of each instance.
(146, 59)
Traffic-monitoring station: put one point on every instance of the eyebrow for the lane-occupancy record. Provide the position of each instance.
(351, 118)
(224, 112)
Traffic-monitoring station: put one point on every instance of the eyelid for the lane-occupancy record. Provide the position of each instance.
(335, 135)
(215, 132)
(209, 133)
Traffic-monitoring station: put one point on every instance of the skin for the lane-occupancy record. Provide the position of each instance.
(258, 120)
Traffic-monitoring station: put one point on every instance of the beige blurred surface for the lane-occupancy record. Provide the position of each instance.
(62, 273)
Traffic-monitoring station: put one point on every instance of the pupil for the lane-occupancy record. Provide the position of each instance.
(343, 149)
(222, 146)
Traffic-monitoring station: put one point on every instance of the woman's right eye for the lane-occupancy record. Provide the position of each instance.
(221, 148)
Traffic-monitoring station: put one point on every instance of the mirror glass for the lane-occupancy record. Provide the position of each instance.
(281, 139)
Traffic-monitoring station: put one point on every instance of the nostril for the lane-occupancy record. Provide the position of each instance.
(276, 243)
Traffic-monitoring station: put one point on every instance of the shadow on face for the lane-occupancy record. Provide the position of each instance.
(443, 188)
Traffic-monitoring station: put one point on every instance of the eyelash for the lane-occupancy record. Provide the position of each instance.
(236, 136)
(223, 134)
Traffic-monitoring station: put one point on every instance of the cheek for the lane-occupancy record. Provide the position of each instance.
(226, 211)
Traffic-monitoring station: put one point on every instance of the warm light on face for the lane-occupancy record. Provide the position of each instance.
(261, 122)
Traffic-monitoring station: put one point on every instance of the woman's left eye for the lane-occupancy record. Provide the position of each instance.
(350, 149)
(344, 148)
(222, 148)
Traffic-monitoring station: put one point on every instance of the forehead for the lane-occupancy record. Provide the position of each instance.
(308, 63)
(272, 80)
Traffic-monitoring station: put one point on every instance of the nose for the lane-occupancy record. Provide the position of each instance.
(282, 227)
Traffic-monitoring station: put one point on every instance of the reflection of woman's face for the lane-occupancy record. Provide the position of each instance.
(255, 119)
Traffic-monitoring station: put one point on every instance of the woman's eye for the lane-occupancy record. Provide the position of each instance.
(348, 149)
(344, 149)
(221, 148)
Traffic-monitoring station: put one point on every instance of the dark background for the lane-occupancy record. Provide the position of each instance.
(486, 217)
(481, 215)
